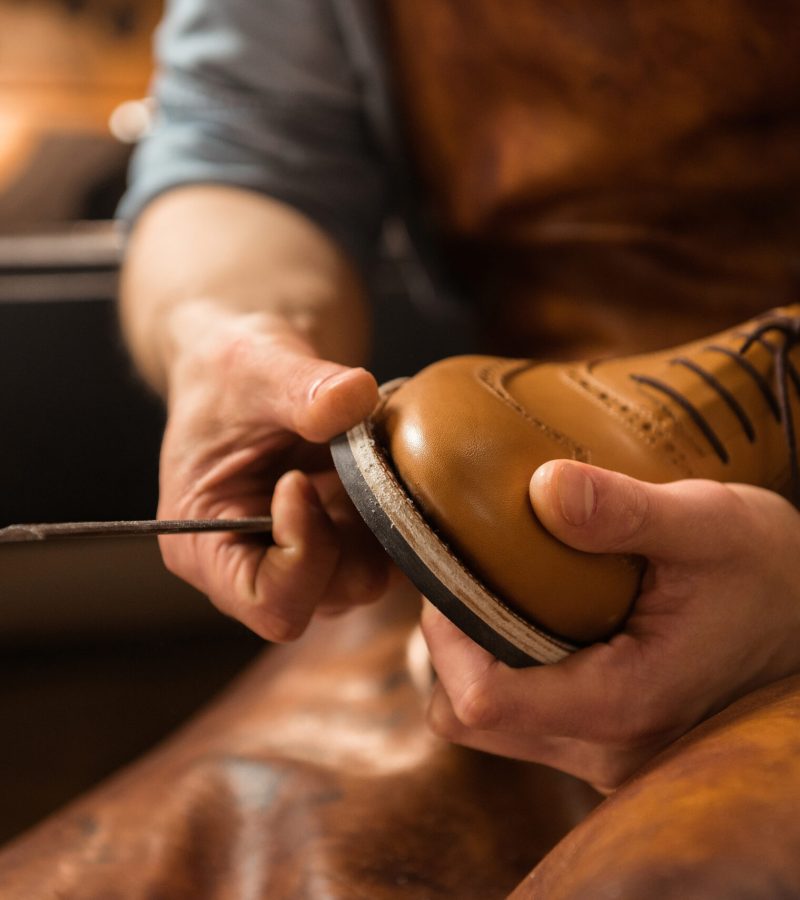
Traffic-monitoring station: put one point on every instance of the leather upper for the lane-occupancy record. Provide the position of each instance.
(466, 434)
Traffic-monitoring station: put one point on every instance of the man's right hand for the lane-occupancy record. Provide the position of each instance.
(231, 302)
(250, 413)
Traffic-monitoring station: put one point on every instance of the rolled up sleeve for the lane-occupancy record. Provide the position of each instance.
(261, 94)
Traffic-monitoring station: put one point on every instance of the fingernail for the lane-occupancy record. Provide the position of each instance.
(328, 382)
(576, 494)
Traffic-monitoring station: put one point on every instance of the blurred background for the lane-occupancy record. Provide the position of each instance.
(102, 652)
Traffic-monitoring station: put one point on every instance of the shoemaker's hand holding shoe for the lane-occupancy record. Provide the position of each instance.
(264, 409)
(718, 615)
(233, 305)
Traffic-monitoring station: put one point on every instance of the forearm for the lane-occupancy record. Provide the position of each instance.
(206, 261)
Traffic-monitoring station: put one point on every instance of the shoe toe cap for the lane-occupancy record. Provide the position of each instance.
(466, 457)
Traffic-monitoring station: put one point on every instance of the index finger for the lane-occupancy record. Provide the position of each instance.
(591, 695)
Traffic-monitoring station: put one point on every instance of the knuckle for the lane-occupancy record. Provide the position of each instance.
(280, 628)
(476, 706)
(609, 771)
(632, 515)
(267, 608)
(716, 500)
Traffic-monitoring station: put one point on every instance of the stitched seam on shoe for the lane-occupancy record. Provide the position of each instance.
(656, 435)
(498, 389)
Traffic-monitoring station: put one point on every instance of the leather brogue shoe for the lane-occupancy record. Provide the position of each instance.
(441, 470)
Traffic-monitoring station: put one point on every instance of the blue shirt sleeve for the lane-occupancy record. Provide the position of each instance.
(261, 94)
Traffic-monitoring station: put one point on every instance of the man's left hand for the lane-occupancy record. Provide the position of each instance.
(718, 616)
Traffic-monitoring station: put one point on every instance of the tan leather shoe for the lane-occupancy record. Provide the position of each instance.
(441, 470)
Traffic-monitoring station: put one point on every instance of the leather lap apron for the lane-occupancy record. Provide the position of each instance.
(609, 176)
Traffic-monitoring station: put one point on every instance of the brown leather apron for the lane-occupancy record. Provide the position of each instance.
(606, 176)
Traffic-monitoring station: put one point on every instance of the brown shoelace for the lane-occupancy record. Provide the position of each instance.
(776, 397)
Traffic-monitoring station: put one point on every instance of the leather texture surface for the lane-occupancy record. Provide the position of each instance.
(466, 434)
(313, 776)
(715, 816)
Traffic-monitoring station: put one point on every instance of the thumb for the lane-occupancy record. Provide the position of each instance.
(600, 511)
(316, 398)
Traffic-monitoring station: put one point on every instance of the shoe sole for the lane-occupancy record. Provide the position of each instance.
(390, 512)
